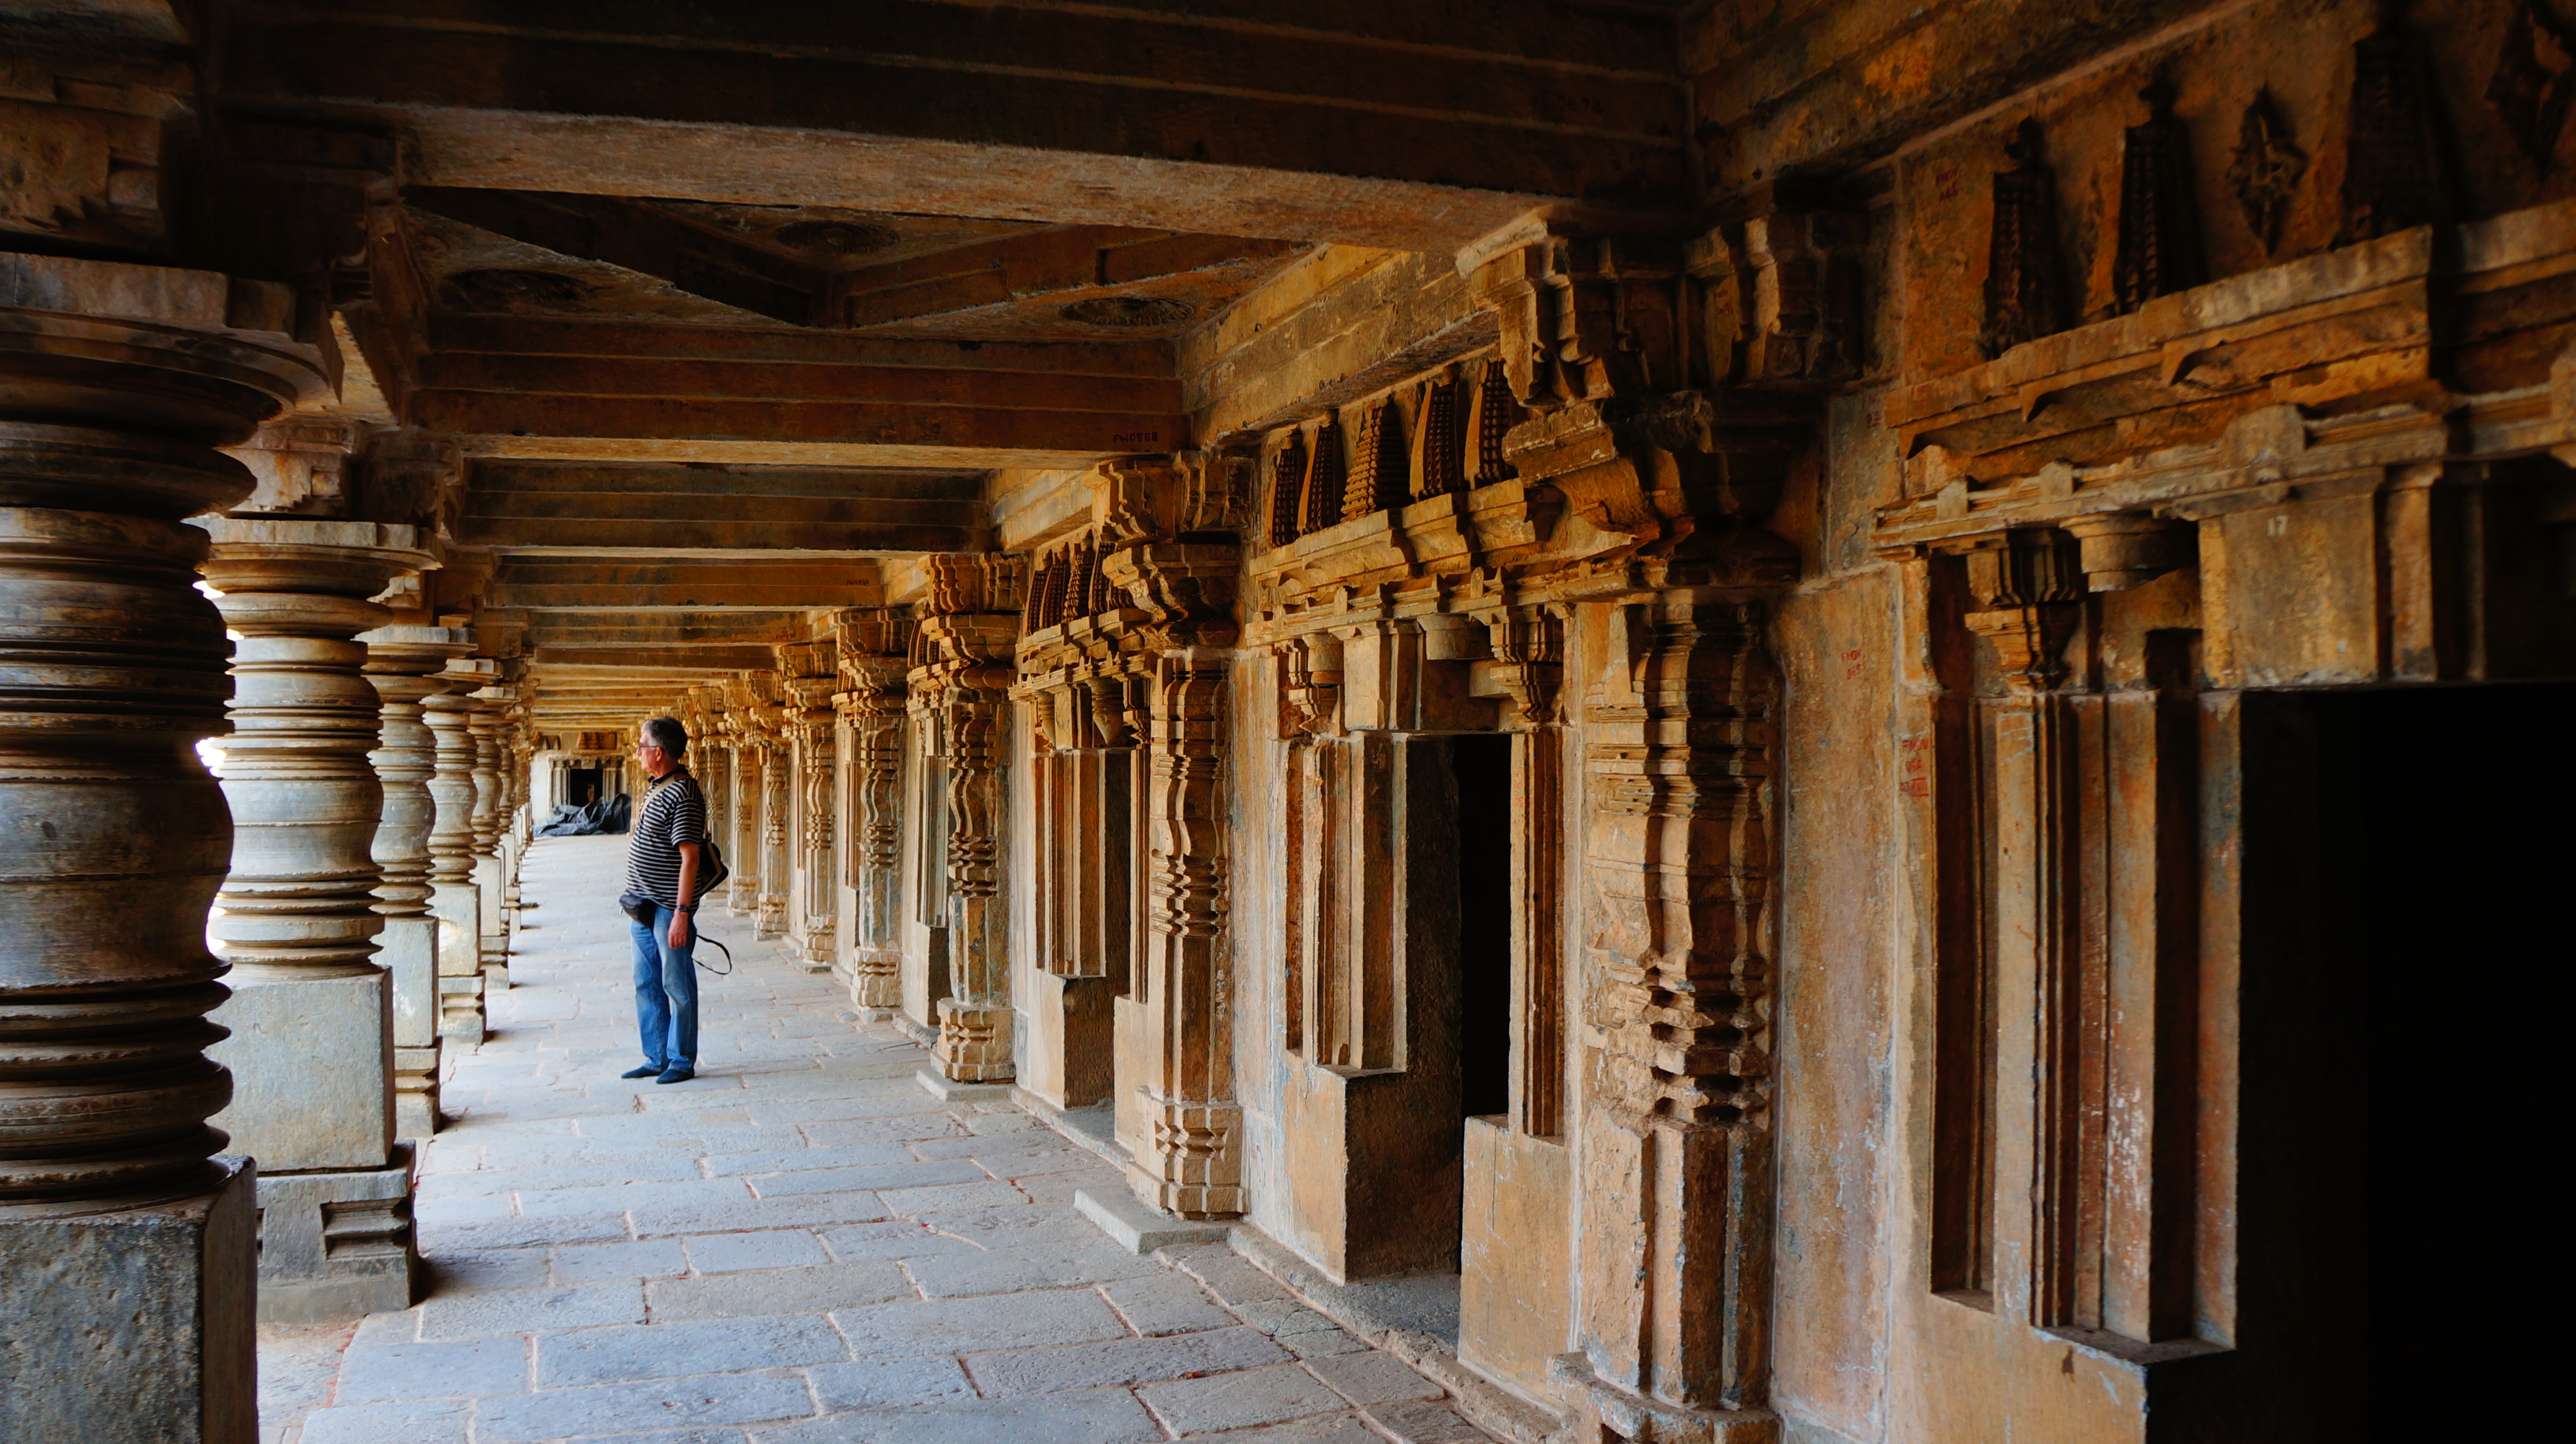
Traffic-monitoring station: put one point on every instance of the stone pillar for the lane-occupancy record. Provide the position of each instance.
(872, 647)
(742, 828)
(491, 813)
(1191, 1159)
(777, 770)
(816, 749)
(973, 619)
(453, 899)
(312, 1011)
(401, 662)
(126, 1246)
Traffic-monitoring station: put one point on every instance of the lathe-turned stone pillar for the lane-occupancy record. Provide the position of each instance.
(491, 813)
(311, 1011)
(126, 1246)
(453, 899)
(401, 663)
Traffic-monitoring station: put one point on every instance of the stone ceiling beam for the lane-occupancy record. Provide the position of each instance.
(1415, 124)
(639, 238)
(678, 512)
(637, 585)
(785, 401)
(697, 661)
(1065, 261)
(733, 628)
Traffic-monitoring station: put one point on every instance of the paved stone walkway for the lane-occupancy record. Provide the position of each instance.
(799, 1246)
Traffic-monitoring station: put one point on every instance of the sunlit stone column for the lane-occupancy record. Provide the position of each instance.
(401, 662)
(871, 656)
(972, 621)
(452, 899)
(491, 809)
(777, 771)
(311, 1012)
(126, 1248)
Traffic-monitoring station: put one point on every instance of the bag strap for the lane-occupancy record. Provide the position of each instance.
(724, 972)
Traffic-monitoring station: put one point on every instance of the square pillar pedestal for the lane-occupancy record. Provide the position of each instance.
(492, 925)
(336, 1246)
(408, 947)
(133, 1324)
(313, 1067)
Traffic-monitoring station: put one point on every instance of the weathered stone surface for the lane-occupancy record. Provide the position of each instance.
(132, 1323)
(336, 1245)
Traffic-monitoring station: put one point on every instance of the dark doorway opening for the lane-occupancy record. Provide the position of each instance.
(2400, 1136)
(1482, 765)
(581, 785)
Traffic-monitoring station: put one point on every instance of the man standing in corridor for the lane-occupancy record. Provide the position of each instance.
(662, 871)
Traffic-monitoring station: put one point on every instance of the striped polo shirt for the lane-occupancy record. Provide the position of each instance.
(674, 812)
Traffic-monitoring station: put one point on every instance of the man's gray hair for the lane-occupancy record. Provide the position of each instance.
(667, 734)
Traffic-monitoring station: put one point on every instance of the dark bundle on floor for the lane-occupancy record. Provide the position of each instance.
(609, 815)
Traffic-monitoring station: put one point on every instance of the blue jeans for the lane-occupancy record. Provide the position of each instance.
(666, 992)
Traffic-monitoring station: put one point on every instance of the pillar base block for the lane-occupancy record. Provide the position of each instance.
(876, 980)
(974, 1042)
(408, 949)
(1138, 1229)
(460, 1009)
(312, 1069)
(135, 1323)
(460, 938)
(1612, 1412)
(416, 1091)
(336, 1246)
(949, 1090)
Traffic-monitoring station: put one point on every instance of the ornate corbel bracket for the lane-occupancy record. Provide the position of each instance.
(2026, 584)
(1780, 293)
(1585, 318)
(1310, 686)
(1528, 665)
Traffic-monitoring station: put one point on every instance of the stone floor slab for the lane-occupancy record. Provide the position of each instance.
(1110, 1416)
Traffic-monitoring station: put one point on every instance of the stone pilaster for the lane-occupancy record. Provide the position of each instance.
(1191, 1159)
(808, 678)
(401, 663)
(872, 646)
(742, 826)
(312, 1010)
(971, 623)
(126, 1247)
(453, 897)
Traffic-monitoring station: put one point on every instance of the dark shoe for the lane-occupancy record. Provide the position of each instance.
(647, 1071)
(677, 1075)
